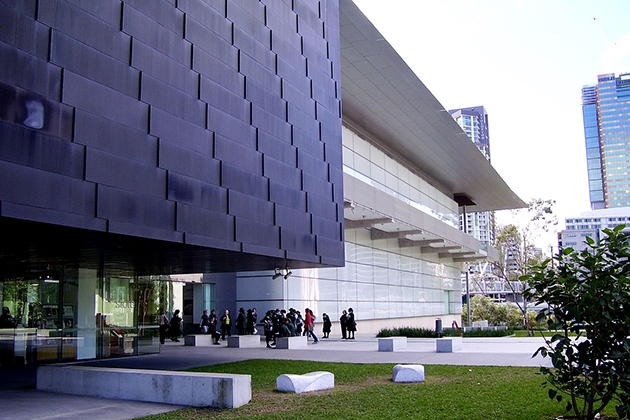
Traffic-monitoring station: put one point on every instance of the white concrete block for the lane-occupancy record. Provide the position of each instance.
(195, 389)
(291, 342)
(392, 343)
(448, 344)
(198, 340)
(408, 373)
(314, 381)
(244, 341)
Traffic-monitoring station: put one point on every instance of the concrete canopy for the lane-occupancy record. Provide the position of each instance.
(385, 101)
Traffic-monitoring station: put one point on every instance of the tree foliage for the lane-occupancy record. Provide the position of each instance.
(517, 251)
(588, 294)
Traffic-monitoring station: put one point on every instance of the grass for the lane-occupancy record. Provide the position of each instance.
(366, 391)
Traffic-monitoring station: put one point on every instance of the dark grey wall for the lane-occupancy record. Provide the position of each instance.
(210, 123)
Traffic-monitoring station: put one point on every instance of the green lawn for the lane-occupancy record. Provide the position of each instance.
(366, 391)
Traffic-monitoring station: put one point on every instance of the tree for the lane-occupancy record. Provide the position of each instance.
(588, 295)
(517, 251)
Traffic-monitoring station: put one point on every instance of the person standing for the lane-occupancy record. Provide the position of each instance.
(162, 325)
(226, 325)
(351, 324)
(327, 325)
(310, 325)
(175, 328)
(212, 326)
(241, 322)
(250, 323)
(343, 321)
(204, 324)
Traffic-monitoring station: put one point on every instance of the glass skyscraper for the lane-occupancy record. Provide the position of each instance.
(606, 114)
(474, 122)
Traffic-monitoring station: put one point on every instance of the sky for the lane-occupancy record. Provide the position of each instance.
(526, 62)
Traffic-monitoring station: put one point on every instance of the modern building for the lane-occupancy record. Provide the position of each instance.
(606, 114)
(474, 122)
(590, 224)
(156, 155)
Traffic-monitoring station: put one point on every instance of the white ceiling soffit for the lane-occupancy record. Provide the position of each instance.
(383, 99)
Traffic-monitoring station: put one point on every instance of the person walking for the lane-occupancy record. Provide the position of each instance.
(310, 325)
(226, 325)
(175, 327)
(351, 324)
(343, 322)
(204, 324)
(327, 325)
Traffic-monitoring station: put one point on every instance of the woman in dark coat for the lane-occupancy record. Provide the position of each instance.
(327, 325)
(351, 324)
(241, 322)
(343, 321)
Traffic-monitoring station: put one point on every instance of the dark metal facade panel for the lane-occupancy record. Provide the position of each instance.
(321, 227)
(46, 190)
(234, 153)
(83, 93)
(41, 151)
(202, 18)
(191, 127)
(145, 211)
(233, 177)
(282, 194)
(282, 172)
(29, 72)
(76, 23)
(241, 205)
(70, 54)
(164, 68)
(107, 169)
(219, 97)
(182, 160)
(174, 101)
(195, 192)
(181, 132)
(117, 139)
(223, 72)
(23, 31)
(206, 39)
(204, 222)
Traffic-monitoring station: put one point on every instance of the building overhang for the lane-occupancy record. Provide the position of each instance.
(384, 101)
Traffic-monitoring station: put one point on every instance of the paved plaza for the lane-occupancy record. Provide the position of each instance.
(20, 400)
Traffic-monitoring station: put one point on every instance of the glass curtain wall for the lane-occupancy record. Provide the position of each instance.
(64, 314)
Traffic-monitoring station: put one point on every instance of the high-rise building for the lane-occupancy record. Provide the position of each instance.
(606, 114)
(474, 122)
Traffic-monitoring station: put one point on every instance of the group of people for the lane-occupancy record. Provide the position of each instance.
(172, 327)
(348, 324)
(276, 323)
(245, 323)
(280, 323)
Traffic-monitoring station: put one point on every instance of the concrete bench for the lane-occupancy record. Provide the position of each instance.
(298, 342)
(169, 387)
(408, 373)
(244, 341)
(448, 344)
(315, 381)
(198, 340)
(392, 343)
